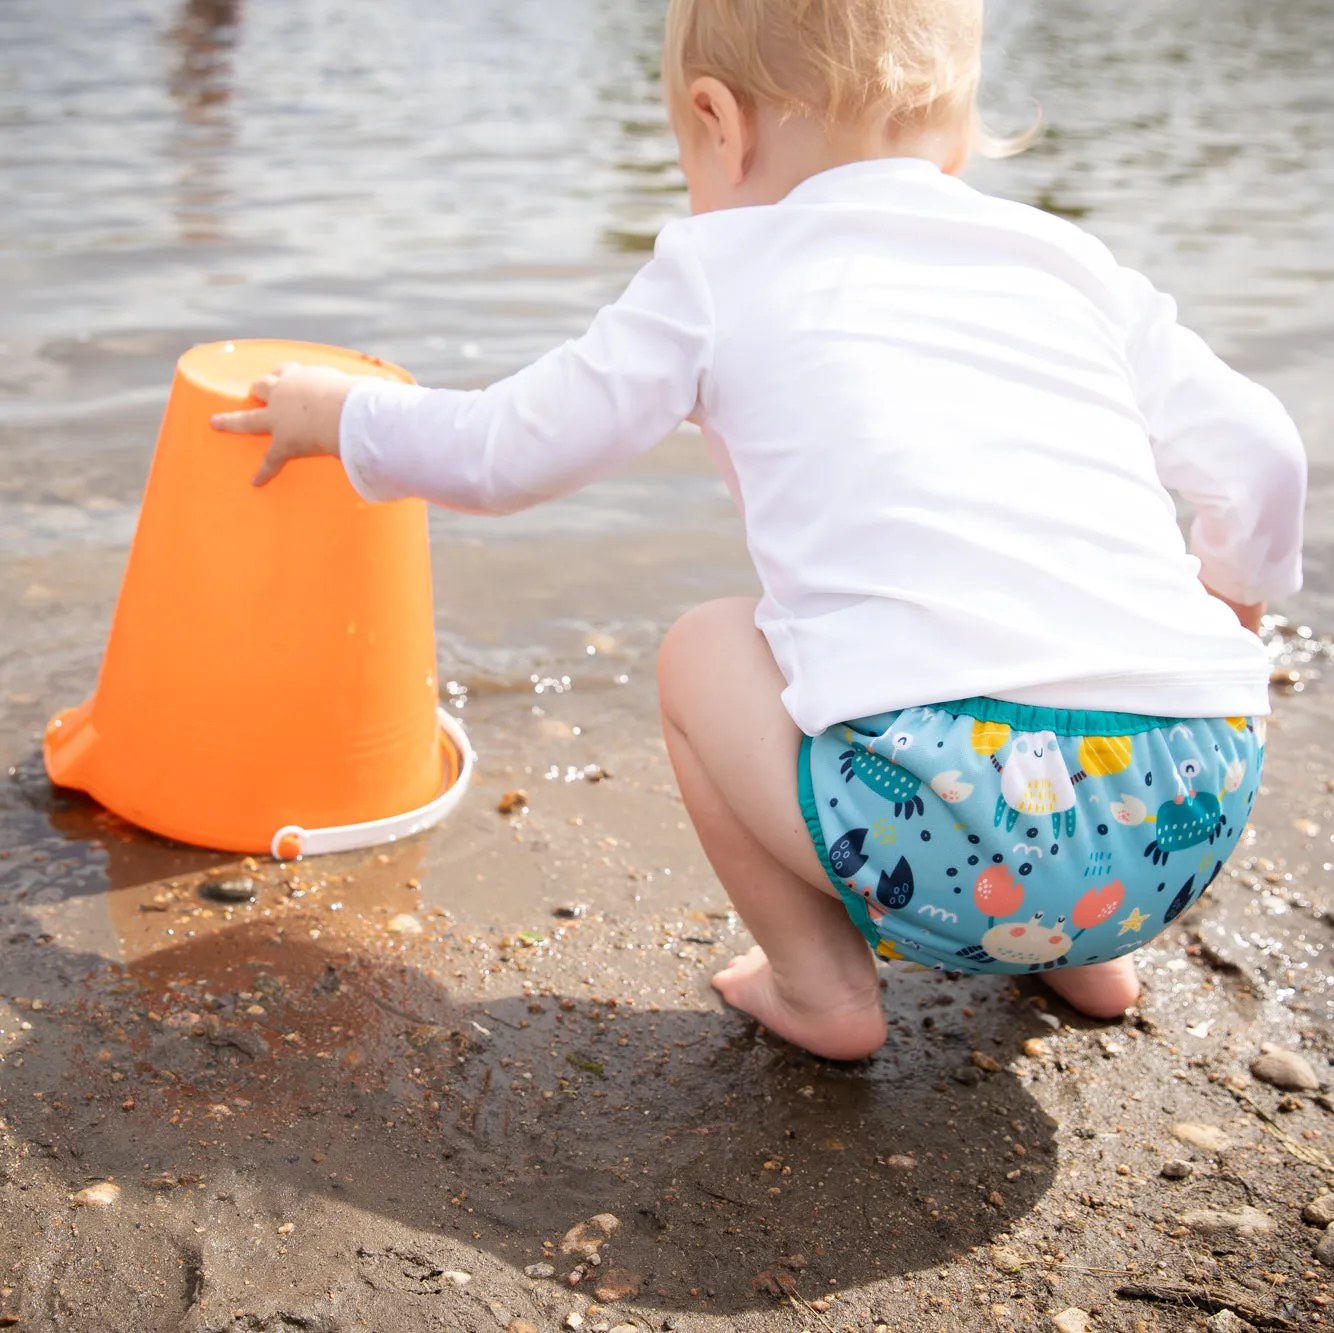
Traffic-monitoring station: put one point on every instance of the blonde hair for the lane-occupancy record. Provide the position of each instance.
(914, 63)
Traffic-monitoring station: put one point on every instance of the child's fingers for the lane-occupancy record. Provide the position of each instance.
(253, 421)
(274, 462)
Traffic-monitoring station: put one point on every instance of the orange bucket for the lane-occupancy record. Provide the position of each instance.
(270, 679)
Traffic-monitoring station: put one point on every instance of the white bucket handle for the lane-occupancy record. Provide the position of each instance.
(352, 837)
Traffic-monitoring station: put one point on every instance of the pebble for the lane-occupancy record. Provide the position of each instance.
(233, 889)
(985, 1062)
(967, 1075)
(585, 1239)
(521, 1326)
(618, 1284)
(1324, 1251)
(404, 924)
(457, 1278)
(540, 1270)
(1246, 1222)
(1320, 1211)
(1049, 1019)
(574, 1320)
(102, 1195)
(1226, 1321)
(1006, 1259)
(1035, 1047)
(1284, 1069)
(1206, 1137)
(901, 1162)
(625, 1328)
(1176, 1170)
(513, 802)
(1073, 1320)
(570, 911)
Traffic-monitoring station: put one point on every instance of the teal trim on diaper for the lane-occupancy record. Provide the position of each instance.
(1061, 721)
(810, 812)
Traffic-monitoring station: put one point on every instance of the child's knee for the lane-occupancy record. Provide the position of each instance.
(695, 641)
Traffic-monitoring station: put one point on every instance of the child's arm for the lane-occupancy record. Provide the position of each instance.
(1228, 447)
(576, 414)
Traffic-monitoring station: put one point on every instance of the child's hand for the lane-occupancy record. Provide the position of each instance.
(1249, 615)
(303, 406)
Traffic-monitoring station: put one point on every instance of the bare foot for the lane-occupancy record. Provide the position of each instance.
(1100, 990)
(847, 1026)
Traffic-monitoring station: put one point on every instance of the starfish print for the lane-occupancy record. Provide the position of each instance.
(1132, 922)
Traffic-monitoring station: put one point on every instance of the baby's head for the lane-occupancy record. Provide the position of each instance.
(836, 80)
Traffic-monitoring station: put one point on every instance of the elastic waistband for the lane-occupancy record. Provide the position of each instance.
(1061, 721)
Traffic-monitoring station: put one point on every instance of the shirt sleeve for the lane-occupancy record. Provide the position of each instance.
(577, 414)
(1226, 445)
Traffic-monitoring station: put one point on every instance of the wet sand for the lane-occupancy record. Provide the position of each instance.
(308, 1120)
(319, 1115)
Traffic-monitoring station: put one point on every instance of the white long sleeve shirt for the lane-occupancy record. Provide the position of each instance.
(950, 423)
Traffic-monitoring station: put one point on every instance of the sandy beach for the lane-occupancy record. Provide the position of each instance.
(396, 1089)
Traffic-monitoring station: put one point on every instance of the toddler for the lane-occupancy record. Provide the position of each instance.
(987, 715)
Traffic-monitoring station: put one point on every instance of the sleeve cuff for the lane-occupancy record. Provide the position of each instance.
(369, 403)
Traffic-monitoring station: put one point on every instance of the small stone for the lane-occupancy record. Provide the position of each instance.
(102, 1195)
(773, 1283)
(570, 911)
(1324, 1250)
(985, 1062)
(521, 1326)
(1226, 1321)
(513, 802)
(232, 889)
(1035, 1047)
(625, 1328)
(457, 1278)
(617, 1284)
(574, 1320)
(1284, 1069)
(585, 1239)
(1320, 1211)
(1176, 1170)
(540, 1270)
(286, 1229)
(1006, 1259)
(968, 1075)
(1049, 1019)
(1208, 1138)
(901, 1162)
(1291, 1103)
(1246, 1222)
(1073, 1320)
(404, 924)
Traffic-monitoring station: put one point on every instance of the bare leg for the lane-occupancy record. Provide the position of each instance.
(1100, 990)
(812, 979)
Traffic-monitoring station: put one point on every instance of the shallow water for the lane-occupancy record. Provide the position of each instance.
(457, 187)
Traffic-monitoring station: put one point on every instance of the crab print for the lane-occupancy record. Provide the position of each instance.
(883, 775)
(1188, 819)
(1030, 944)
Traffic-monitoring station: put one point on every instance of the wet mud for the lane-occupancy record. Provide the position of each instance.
(379, 1092)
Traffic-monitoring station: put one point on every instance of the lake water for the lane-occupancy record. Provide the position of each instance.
(457, 187)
